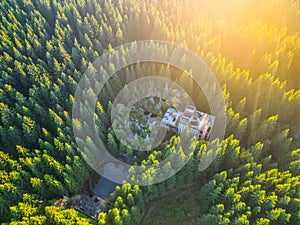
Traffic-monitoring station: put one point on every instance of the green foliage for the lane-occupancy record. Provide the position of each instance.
(67, 217)
(258, 198)
(252, 48)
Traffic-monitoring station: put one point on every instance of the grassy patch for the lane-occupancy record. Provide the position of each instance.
(182, 209)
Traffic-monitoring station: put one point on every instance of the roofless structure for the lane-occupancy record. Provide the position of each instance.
(199, 123)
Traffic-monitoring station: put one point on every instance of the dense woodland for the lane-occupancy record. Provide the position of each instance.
(253, 47)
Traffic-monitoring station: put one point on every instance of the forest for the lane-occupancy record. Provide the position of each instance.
(252, 47)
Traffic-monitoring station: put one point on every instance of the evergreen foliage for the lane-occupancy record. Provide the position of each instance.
(251, 46)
